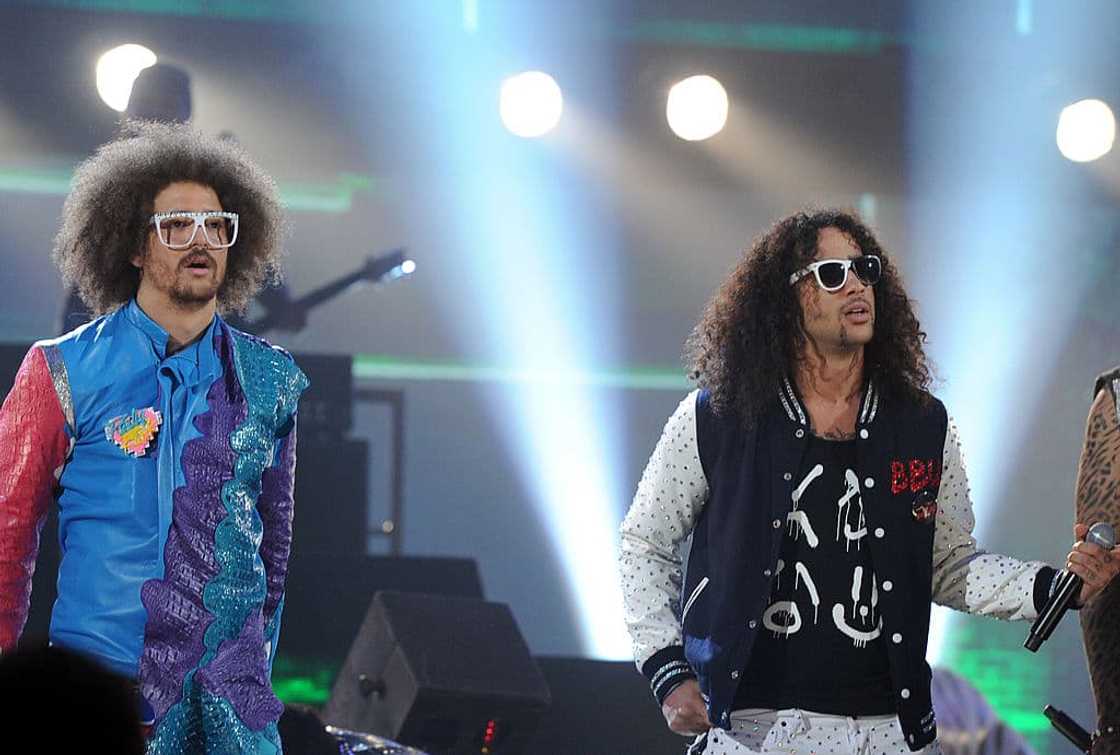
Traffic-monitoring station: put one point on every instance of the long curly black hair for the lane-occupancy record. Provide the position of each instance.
(752, 332)
(105, 219)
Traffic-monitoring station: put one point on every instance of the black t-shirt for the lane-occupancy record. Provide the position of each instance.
(820, 646)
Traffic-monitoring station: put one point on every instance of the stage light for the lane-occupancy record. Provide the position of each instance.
(117, 69)
(696, 108)
(979, 223)
(1086, 130)
(530, 104)
(522, 221)
(408, 267)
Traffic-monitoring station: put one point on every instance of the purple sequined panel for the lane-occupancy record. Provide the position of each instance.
(239, 673)
(204, 667)
(177, 618)
(275, 508)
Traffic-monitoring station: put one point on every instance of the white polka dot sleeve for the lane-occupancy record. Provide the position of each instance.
(969, 579)
(670, 497)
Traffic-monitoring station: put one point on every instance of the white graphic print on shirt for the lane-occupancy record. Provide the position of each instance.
(798, 518)
(844, 504)
(783, 617)
(788, 610)
(866, 615)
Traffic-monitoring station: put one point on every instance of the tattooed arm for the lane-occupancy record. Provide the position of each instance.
(1098, 492)
(1098, 473)
(1098, 499)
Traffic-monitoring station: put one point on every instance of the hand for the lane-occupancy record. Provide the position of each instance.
(1096, 566)
(684, 710)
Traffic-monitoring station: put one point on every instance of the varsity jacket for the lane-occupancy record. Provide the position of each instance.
(733, 490)
(173, 476)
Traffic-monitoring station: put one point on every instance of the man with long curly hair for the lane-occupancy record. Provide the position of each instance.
(167, 438)
(824, 493)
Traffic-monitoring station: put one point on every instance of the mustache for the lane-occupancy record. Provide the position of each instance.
(198, 256)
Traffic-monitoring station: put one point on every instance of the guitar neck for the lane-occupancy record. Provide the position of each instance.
(373, 270)
(328, 291)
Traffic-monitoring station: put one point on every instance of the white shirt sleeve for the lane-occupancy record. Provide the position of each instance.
(964, 577)
(670, 497)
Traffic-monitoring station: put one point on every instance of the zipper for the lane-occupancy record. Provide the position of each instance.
(692, 598)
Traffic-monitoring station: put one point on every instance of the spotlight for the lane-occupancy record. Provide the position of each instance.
(1086, 130)
(117, 69)
(696, 108)
(530, 104)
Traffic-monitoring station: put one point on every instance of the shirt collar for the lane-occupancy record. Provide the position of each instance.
(200, 354)
(149, 327)
(795, 410)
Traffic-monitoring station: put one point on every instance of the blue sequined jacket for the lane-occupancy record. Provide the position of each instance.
(174, 487)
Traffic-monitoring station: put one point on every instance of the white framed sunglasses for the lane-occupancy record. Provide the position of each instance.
(831, 275)
(177, 230)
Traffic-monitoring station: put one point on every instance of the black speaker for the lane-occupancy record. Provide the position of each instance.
(601, 708)
(330, 495)
(327, 596)
(445, 675)
(327, 408)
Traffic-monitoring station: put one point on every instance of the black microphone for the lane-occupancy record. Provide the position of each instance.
(1069, 584)
(1069, 728)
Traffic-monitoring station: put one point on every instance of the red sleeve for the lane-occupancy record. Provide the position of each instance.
(33, 446)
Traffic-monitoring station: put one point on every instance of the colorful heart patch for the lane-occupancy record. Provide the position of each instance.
(134, 432)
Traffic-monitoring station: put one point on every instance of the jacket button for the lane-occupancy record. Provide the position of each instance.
(800, 433)
(752, 624)
(879, 532)
(896, 638)
(787, 477)
(735, 674)
(888, 586)
(864, 434)
(869, 482)
(905, 693)
(777, 523)
(766, 572)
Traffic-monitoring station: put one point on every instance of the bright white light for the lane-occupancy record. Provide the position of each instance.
(939, 619)
(408, 267)
(1086, 130)
(118, 69)
(564, 448)
(697, 108)
(530, 104)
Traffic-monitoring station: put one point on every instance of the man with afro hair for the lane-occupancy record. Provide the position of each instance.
(167, 438)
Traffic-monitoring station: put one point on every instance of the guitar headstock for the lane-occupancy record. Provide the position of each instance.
(392, 264)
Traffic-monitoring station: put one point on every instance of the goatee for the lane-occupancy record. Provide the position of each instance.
(189, 298)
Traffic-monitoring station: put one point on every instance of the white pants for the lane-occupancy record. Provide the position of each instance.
(773, 732)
